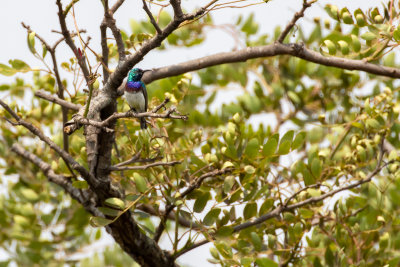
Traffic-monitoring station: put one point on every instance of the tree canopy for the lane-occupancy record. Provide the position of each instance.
(300, 169)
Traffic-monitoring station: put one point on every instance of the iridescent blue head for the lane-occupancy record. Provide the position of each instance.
(135, 75)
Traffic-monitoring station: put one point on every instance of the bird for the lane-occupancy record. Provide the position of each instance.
(136, 93)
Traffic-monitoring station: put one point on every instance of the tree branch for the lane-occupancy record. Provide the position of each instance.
(81, 196)
(110, 22)
(150, 15)
(144, 167)
(276, 49)
(296, 17)
(55, 99)
(71, 44)
(78, 120)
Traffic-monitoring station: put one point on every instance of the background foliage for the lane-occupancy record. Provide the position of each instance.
(322, 128)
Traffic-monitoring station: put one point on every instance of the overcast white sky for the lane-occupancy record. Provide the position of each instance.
(41, 15)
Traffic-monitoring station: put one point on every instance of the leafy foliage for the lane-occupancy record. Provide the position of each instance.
(328, 133)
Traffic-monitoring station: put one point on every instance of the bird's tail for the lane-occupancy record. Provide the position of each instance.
(143, 124)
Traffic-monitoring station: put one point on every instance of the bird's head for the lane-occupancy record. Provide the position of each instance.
(136, 74)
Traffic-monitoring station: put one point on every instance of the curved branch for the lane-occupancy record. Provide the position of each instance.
(276, 49)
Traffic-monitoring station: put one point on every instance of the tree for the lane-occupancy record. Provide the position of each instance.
(259, 194)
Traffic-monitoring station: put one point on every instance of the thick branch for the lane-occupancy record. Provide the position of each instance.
(77, 194)
(55, 99)
(276, 49)
(296, 17)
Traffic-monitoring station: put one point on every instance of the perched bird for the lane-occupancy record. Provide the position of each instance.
(136, 94)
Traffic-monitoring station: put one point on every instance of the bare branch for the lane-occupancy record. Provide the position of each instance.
(144, 167)
(110, 22)
(82, 197)
(152, 20)
(71, 44)
(117, 5)
(296, 17)
(78, 120)
(276, 49)
(176, 5)
(55, 99)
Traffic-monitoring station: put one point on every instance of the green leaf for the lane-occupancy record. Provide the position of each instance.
(20, 65)
(368, 36)
(109, 211)
(115, 203)
(270, 147)
(228, 184)
(99, 221)
(298, 140)
(80, 184)
(266, 262)
(344, 47)
(288, 136)
(224, 231)
(331, 47)
(396, 35)
(201, 202)
(355, 43)
(256, 240)
(252, 148)
(6, 70)
(306, 213)
(308, 178)
(227, 164)
(211, 217)
(316, 167)
(250, 210)
(373, 123)
(284, 147)
(29, 194)
(140, 181)
(31, 42)
(249, 169)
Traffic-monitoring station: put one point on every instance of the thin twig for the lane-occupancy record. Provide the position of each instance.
(144, 167)
(152, 20)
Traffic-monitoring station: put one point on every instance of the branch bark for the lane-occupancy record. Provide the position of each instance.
(276, 49)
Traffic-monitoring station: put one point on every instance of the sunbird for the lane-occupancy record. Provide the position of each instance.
(136, 94)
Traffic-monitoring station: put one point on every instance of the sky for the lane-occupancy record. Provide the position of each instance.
(41, 15)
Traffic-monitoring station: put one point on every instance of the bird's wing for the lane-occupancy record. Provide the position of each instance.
(145, 96)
